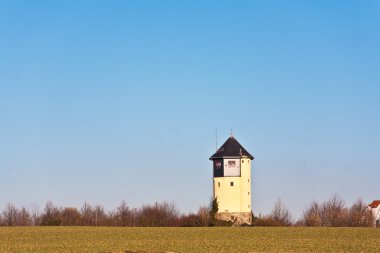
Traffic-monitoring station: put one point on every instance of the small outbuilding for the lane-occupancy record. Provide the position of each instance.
(375, 209)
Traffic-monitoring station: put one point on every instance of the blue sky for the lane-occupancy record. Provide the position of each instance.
(102, 101)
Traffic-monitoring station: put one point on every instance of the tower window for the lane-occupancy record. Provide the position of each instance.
(242, 161)
(248, 161)
(248, 206)
(232, 183)
(248, 180)
(248, 193)
(218, 184)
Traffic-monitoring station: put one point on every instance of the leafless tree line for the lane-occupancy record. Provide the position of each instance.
(334, 213)
(280, 216)
(330, 213)
(151, 215)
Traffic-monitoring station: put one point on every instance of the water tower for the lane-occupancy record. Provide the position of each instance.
(232, 182)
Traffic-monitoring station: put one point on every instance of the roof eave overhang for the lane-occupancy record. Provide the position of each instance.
(230, 157)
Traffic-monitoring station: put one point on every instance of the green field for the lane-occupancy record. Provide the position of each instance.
(244, 239)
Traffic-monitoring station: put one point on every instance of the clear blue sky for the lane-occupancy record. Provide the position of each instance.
(102, 101)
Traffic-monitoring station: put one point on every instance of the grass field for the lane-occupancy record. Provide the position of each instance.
(244, 239)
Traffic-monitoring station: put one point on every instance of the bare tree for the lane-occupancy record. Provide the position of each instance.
(359, 215)
(71, 216)
(123, 214)
(333, 212)
(158, 215)
(200, 219)
(190, 220)
(23, 217)
(87, 213)
(100, 216)
(51, 215)
(280, 214)
(312, 216)
(204, 215)
(10, 215)
(35, 214)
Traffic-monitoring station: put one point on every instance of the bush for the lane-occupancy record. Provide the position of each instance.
(214, 208)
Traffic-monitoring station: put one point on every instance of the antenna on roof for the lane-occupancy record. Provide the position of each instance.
(216, 139)
(232, 134)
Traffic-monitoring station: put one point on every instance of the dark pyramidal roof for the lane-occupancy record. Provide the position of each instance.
(231, 148)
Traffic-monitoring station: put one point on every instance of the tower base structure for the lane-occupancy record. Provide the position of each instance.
(237, 218)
